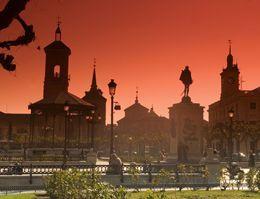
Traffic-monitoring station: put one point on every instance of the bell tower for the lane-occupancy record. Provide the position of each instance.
(229, 77)
(56, 67)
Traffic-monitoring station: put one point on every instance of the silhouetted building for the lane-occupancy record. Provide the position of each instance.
(144, 128)
(244, 103)
(49, 119)
(95, 97)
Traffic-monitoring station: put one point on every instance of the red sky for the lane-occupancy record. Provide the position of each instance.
(142, 43)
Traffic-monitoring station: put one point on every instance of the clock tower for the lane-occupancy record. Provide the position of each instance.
(229, 77)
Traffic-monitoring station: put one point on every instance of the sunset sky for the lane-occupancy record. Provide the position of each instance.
(139, 43)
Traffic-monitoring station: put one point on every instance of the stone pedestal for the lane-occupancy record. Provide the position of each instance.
(92, 157)
(186, 131)
(115, 165)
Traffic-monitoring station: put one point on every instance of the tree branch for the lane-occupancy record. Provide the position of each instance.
(11, 11)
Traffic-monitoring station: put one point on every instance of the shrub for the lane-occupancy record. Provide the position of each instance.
(205, 176)
(223, 179)
(135, 175)
(163, 177)
(251, 179)
(154, 195)
(257, 180)
(239, 178)
(73, 184)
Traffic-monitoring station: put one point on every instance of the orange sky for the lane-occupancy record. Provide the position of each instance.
(142, 43)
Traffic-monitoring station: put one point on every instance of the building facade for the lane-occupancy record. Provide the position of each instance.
(142, 130)
(48, 121)
(246, 107)
(60, 113)
(95, 97)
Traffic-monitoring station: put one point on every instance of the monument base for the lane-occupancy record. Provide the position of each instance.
(92, 157)
(186, 99)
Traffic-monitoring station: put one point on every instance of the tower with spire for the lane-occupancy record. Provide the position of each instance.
(243, 103)
(56, 67)
(55, 97)
(95, 97)
(229, 77)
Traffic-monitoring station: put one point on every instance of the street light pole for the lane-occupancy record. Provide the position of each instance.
(130, 148)
(233, 168)
(92, 129)
(115, 163)
(112, 126)
(66, 110)
(88, 119)
(231, 115)
(112, 89)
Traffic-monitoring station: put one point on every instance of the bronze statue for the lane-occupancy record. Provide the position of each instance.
(186, 80)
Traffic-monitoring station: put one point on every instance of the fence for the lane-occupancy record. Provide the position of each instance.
(41, 169)
(30, 176)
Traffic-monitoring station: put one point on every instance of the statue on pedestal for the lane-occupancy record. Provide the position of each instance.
(115, 165)
(186, 80)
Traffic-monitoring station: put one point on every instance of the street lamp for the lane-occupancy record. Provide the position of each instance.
(112, 90)
(231, 115)
(93, 119)
(92, 129)
(116, 141)
(88, 118)
(66, 110)
(130, 147)
(233, 168)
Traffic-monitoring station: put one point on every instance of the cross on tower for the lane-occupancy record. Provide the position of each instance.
(241, 83)
(59, 22)
(95, 61)
(230, 42)
(136, 97)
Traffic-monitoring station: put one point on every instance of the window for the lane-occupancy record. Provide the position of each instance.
(57, 71)
(252, 105)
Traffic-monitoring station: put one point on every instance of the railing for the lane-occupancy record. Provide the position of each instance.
(185, 176)
(40, 169)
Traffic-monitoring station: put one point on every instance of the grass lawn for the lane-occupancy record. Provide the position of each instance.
(18, 196)
(214, 194)
(172, 195)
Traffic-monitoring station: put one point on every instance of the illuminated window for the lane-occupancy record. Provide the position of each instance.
(57, 71)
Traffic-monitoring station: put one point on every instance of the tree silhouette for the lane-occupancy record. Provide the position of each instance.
(11, 12)
(242, 132)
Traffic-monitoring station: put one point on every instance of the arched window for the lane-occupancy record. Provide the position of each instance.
(57, 71)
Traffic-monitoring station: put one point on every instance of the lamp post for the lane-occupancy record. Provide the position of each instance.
(88, 118)
(233, 168)
(93, 119)
(130, 147)
(116, 141)
(112, 90)
(66, 110)
(231, 115)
